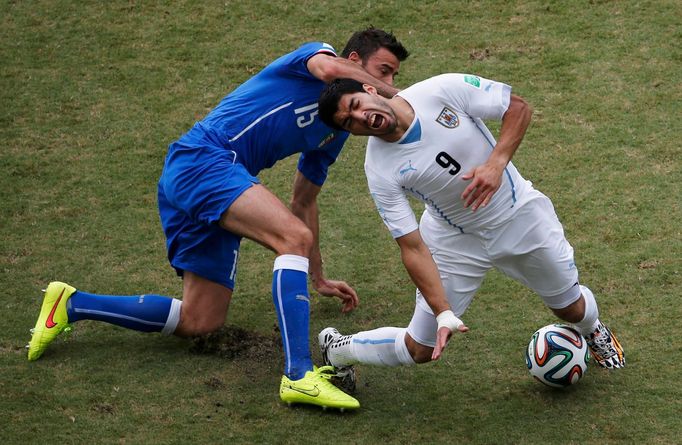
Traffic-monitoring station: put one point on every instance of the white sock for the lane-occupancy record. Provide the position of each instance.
(340, 353)
(401, 349)
(173, 317)
(383, 347)
(591, 319)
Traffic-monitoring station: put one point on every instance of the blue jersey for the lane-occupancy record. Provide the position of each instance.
(274, 115)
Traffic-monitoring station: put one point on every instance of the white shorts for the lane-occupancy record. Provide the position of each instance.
(530, 248)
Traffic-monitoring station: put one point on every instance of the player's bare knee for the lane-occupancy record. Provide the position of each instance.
(422, 354)
(297, 240)
(193, 324)
(207, 328)
(195, 327)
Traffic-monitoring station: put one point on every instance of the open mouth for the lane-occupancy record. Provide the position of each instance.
(375, 121)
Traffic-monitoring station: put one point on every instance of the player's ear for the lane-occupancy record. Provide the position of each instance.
(370, 89)
(355, 57)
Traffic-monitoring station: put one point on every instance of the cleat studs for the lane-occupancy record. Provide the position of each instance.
(32, 330)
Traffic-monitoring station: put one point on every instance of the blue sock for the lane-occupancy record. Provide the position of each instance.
(146, 313)
(290, 296)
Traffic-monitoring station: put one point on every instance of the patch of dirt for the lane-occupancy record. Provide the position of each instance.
(214, 383)
(479, 54)
(103, 408)
(648, 264)
(232, 342)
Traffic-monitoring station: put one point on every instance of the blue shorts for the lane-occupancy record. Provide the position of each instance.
(197, 185)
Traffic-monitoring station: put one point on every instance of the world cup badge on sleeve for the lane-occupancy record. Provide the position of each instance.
(448, 118)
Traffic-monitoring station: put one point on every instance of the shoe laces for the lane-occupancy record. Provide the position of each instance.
(325, 372)
(601, 339)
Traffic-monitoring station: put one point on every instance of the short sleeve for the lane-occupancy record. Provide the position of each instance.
(476, 96)
(314, 165)
(296, 61)
(391, 203)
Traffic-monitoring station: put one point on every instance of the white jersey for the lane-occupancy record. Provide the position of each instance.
(446, 140)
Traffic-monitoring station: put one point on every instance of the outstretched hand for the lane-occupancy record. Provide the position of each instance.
(442, 337)
(339, 289)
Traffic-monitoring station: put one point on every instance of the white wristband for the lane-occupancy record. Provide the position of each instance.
(449, 320)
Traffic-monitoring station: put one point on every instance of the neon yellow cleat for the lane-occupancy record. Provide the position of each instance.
(316, 389)
(52, 319)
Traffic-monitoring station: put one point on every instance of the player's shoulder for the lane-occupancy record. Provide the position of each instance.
(469, 82)
(294, 63)
(380, 156)
(447, 87)
(372, 153)
(376, 144)
(446, 80)
(429, 87)
(312, 48)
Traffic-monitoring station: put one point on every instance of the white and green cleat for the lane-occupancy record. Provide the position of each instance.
(52, 319)
(344, 376)
(316, 389)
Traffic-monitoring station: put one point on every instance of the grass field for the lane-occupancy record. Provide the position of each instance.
(93, 92)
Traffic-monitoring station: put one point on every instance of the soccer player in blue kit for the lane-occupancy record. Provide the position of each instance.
(209, 198)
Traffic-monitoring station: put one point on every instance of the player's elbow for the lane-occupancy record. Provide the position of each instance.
(520, 107)
(527, 111)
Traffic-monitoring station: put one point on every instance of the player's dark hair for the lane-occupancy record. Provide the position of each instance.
(328, 104)
(368, 41)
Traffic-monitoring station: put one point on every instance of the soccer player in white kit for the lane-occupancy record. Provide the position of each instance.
(430, 142)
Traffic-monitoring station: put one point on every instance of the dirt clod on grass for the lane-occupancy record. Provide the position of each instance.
(232, 342)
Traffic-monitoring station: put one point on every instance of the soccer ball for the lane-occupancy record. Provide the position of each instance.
(557, 355)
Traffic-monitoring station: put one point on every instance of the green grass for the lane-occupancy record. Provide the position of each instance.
(93, 92)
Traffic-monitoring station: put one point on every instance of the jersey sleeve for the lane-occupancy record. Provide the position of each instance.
(314, 165)
(476, 96)
(392, 204)
(296, 61)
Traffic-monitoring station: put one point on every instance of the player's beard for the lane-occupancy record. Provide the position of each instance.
(388, 116)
